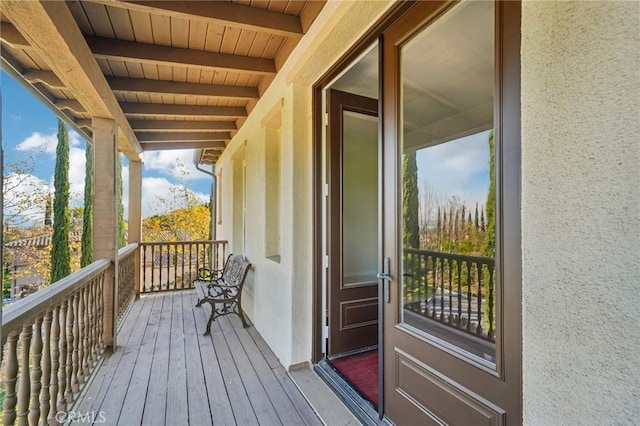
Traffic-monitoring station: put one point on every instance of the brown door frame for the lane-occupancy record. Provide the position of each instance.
(319, 317)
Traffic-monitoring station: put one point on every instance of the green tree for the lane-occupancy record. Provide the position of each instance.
(490, 232)
(122, 240)
(87, 216)
(410, 226)
(60, 253)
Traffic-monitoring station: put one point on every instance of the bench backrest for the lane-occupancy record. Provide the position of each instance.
(235, 270)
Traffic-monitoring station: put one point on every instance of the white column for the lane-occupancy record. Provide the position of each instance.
(135, 214)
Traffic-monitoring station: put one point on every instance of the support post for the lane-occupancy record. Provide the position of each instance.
(135, 216)
(105, 218)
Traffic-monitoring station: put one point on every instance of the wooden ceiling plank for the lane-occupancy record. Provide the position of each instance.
(179, 32)
(121, 23)
(141, 85)
(164, 55)
(183, 136)
(181, 126)
(162, 146)
(182, 110)
(47, 77)
(51, 29)
(224, 13)
(141, 23)
(99, 19)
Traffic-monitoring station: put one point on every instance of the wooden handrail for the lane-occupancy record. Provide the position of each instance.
(28, 309)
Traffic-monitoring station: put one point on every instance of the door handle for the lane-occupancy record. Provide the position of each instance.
(386, 279)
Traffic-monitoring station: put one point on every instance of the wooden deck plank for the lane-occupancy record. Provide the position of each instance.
(177, 383)
(112, 405)
(307, 413)
(133, 407)
(264, 348)
(199, 410)
(283, 405)
(240, 403)
(156, 400)
(219, 403)
(260, 401)
(166, 372)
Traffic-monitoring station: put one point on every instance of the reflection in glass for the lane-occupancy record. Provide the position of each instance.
(359, 199)
(448, 194)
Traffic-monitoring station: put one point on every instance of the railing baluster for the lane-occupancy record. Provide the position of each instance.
(459, 265)
(143, 279)
(86, 360)
(62, 372)
(450, 291)
(36, 372)
(68, 393)
(46, 368)
(479, 326)
(55, 363)
(24, 386)
(10, 379)
(469, 299)
(442, 318)
(80, 339)
(491, 332)
(434, 286)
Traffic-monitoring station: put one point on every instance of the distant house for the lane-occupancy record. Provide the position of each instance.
(26, 260)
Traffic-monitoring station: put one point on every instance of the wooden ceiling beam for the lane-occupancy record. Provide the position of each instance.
(10, 35)
(106, 48)
(180, 126)
(43, 76)
(71, 105)
(49, 27)
(184, 137)
(163, 146)
(133, 108)
(164, 87)
(219, 13)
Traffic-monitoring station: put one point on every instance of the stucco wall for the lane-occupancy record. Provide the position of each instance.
(278, 296)
(580, 212)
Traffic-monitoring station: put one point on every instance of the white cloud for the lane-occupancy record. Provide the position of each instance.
(175, 163)
(159, 196)
(457, 168)
(24, 198)
(39, 142)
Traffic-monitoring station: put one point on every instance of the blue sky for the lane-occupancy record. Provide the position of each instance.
(457, 168)
(29, 131)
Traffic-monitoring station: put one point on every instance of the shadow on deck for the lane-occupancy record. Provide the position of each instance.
(166, 372)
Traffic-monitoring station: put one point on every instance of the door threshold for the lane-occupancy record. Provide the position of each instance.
(360, 407)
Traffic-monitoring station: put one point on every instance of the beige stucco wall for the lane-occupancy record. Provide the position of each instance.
(278, 295)
(581, 212)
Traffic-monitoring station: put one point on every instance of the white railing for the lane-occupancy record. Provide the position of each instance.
(53, 341)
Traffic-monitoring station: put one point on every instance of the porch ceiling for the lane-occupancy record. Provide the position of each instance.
(173, 75)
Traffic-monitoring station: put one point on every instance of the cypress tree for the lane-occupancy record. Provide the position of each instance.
(60, 253)
(410, 228)
(475, 223)
(87, 215)
(490, 234)
(122, 240)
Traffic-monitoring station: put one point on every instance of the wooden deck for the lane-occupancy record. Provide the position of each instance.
(166, 372)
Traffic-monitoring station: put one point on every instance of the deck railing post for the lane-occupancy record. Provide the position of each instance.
(105, 218)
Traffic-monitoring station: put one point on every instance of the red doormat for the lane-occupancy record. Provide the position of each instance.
(361, 370)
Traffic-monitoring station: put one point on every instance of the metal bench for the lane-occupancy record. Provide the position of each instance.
(223, 289)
